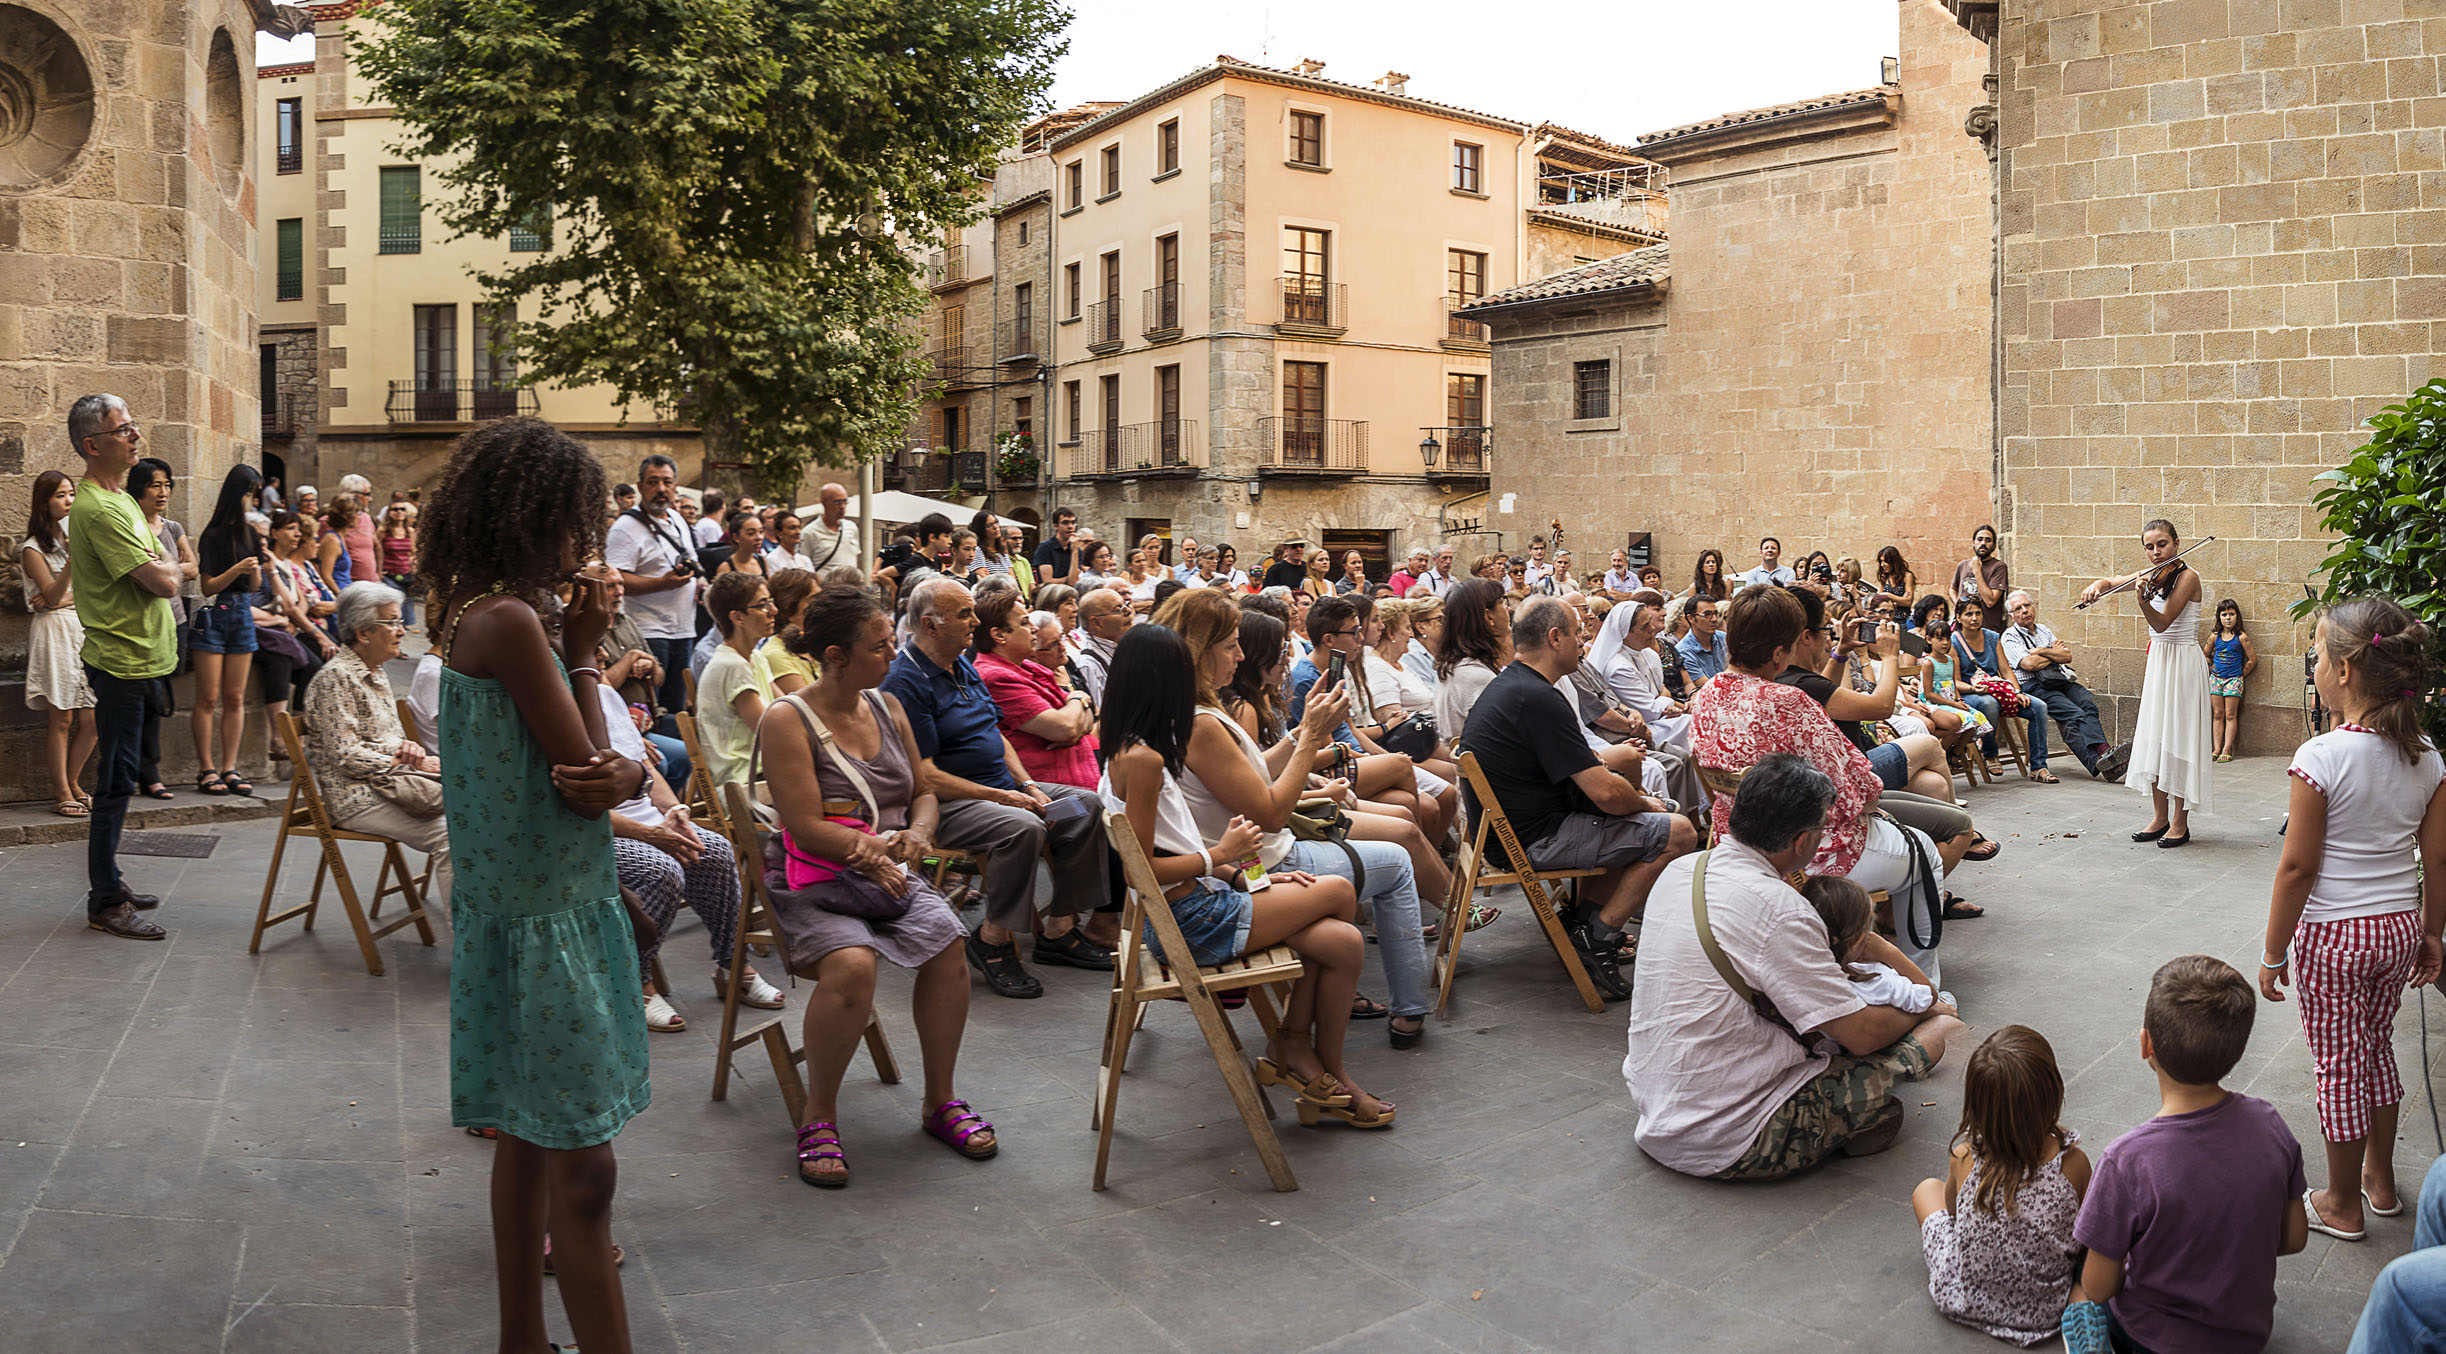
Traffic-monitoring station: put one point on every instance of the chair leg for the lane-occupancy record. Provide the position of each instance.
(1543, 906)
(728, 1042)
(879, 1048)
(347, 886)
(1243, 1085)
(785, 1072)
(1456, 921)
(271, 885)
(1108, 1089)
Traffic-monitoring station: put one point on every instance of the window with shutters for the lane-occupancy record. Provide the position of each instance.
(1112, 171)
(1168, 147)
(403, 210)
(1465, 400)
(1303, 412)
(289, 235)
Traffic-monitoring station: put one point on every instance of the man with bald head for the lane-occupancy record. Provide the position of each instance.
(831, 540)
(1104, 617)
(991, 806)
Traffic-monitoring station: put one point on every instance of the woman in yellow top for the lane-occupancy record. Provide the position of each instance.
(777, 671)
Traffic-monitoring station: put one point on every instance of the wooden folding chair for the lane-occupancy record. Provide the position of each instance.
(1964, 759)
(407, 723)
(772, 1030)
(703, 797)
(305, 816)
(1472, 871)
(1138, 979)
(2013, 735)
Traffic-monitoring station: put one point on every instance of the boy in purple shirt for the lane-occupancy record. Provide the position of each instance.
(2187, 1213)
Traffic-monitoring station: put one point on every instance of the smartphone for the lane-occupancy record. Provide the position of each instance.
(1334, 666)
(1066, 807)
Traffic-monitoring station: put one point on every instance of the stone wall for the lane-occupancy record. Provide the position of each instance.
(290, 424)
(2222, 252)
(1817, 368)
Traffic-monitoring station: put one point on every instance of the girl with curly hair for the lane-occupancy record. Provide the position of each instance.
(547, 1044)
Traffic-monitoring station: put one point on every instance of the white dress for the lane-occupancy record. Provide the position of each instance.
(54, 673)
(2171, 746)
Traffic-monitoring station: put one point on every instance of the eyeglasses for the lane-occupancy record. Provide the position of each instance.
(392, 621)
(127, 429)
(1344, 634)
(763, 604)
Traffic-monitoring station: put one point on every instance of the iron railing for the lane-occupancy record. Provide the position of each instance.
(1312, 303)
(948, 266)
(1337, 445)
(925, 469)
(1163, 310)
(1457, 328)
(1021, 339)
(1095, 449)
(456, 401)
(289, 159)
(1463, 450)
(950, 363)
(1104, 325)
(1146, 448)
(280, 416)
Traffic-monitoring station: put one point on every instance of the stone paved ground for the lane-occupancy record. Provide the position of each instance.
(205, 1151)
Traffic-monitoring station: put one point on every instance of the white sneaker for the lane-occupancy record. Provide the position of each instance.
(662, 1017)
(757, 993)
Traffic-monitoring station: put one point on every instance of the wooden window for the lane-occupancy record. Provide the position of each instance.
(1305, 258)
(1070, 285)
(954, 328)
(1023, 308)
(403, 210)
(1168, 259)
(1308, 139)
(1168, 416)
(1592, 389)
(1076, 179)
(1070, 411)
(1112, 406)
(437, 348)
(1303, 397)
(288, 136)
(1023, 232)
(1464, 277)
(1465, 161)
(533, 235)
(1112, 170)
(1112, 276)
(290, 266)
(1168, 146)
(1465, 400)
(1023, 417)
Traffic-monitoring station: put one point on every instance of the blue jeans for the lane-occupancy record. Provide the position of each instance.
(2076, 711)
(2407, 1307)
(118, 720)
(1392, 894)
(671, 655)
(674, 755)
(1990, 707)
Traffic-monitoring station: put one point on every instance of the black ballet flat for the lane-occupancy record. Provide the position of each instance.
(2151, 835)
(2170, 843)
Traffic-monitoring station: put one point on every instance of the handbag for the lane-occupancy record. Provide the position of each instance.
(1322, 820)
(415, 792)
(843, 891)
(1415, 737)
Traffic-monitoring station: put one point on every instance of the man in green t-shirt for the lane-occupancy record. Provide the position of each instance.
(123, 592)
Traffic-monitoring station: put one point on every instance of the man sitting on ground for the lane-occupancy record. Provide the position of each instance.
(2043, 664)
(1569, 811)
(1725, 1089)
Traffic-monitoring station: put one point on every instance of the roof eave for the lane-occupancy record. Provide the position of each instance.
(1870, 108)
(1094, 127)
(1639, 292)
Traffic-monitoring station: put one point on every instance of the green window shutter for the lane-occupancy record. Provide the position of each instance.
(403, 218)
(290, 232)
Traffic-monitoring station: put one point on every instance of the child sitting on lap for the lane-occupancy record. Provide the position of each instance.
(2187, 1213)
(1997, 1230)
(1850, 916)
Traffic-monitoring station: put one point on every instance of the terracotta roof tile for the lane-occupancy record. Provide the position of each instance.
(1843, 100)
(1639, 268)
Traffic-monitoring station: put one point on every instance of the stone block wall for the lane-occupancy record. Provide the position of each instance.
(2223, 251)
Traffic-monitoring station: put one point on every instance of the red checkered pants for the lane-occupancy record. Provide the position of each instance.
(2350, 976)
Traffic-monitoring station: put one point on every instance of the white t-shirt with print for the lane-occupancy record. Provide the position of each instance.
(2375, 802)
(633, 547)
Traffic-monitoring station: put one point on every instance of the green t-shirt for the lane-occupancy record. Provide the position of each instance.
(727, 738)
(129, 633)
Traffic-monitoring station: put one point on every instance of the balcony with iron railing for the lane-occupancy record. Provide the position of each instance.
(1087, 457)
(289, 159)
(1462, 335)
(1455, 453)
(1104, 326)
(1163, 312)
(456, 401)
(951, 364)
(1020, 339)
(925, 469)
(1157, 449)
(279, 417)
(1313, 307)
(1313, 446)
(947, 267)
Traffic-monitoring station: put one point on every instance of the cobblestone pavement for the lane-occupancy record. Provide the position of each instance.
(202, 1150)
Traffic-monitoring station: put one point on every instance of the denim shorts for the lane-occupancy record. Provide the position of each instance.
(222, 628)
(1214, 920)
(1892, 764)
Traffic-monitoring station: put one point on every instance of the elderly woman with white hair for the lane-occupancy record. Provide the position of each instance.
(357, 533)
(373, 778)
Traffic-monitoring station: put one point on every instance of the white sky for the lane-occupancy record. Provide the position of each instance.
(1612, 70)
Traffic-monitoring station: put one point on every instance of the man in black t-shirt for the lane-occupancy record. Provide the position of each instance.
(1570, 811)
(1057, 559)
(1290, 567)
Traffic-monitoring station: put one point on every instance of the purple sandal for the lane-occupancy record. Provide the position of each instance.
(956, 1125)
(822, 1142)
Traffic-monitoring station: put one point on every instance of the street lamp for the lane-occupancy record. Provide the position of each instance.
(1428, 447)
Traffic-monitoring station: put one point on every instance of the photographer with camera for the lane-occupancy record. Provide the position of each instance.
(2043, 665)
(652, 548)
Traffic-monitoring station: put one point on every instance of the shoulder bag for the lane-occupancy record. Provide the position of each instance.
(1716, 957)
(831, 886)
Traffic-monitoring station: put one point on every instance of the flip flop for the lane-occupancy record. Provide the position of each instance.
(1363, 1007)
(2318, 1226)
(2372, 1205)
(1957, 909)
(1984, 849)
(71, 808)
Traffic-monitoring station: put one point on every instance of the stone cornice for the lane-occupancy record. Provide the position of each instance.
(1867, 110)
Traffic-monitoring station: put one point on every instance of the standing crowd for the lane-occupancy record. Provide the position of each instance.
(1754, 776)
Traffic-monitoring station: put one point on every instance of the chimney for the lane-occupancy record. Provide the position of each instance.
(1393, 82)
(1309, 66)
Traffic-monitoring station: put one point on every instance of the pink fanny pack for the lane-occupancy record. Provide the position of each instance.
(801, 869)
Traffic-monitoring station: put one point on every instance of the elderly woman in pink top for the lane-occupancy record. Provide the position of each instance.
(1050, 727)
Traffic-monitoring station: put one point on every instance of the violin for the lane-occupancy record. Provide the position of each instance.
(2160, 576)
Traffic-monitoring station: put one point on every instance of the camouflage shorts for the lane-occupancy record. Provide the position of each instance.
(1847, 1098)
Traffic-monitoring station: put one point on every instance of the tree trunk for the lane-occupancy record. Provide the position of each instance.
(724, 459)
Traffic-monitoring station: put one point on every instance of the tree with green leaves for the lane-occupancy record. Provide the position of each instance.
(2387, 507)
(727, 187)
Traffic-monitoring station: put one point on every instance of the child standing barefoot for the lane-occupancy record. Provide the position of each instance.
(2350, 905)
(1997, 1230)
(2230, 661)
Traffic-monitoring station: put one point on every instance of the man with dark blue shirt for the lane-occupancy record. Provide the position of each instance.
(990, 806)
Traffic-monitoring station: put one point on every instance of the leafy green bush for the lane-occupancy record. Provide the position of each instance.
(2387, 507)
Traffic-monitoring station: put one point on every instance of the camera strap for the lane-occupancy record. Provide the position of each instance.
(679, 553)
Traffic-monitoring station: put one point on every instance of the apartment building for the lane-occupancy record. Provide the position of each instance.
(1224, 307)
(377, 348)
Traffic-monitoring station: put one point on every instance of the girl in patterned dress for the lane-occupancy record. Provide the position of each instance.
(547, 1039)
(1997, 1230)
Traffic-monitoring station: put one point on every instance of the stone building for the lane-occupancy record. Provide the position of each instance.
(378, 348)
(1223, 308)
(127, 258)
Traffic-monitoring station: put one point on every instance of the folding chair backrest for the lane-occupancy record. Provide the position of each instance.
(1146, 907)
(303, 788)
(1491, 819)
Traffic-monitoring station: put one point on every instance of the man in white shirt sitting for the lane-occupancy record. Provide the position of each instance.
(1723, 1089)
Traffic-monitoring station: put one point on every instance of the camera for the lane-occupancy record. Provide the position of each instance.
(1823, 573)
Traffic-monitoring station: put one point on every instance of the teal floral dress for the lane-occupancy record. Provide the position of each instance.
(547, 1034)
